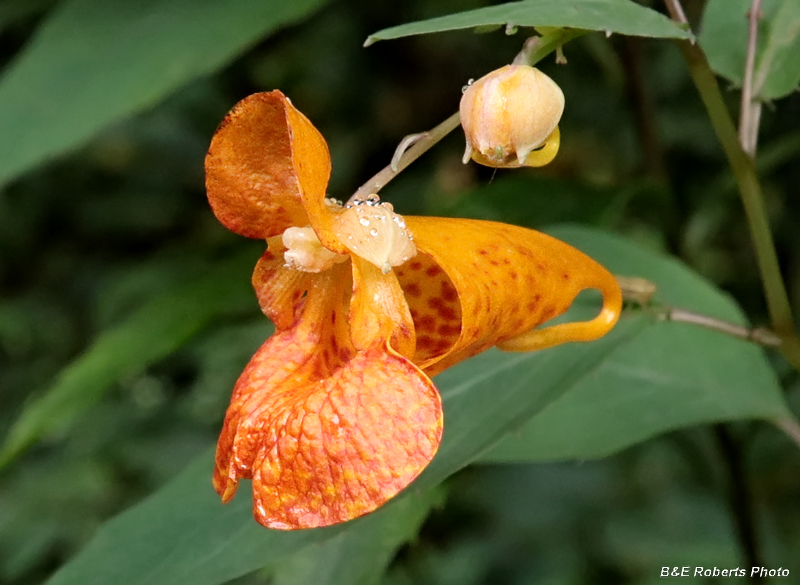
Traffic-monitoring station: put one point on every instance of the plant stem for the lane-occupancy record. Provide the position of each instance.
(419, 148)
(676, 11)
(758, 335)
(640, 291)
(750, 190)
(546, 45)
(750, 110)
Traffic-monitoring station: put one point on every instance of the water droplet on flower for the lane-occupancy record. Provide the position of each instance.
(376, 234)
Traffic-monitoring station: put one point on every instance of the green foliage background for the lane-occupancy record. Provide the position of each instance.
(126, 313)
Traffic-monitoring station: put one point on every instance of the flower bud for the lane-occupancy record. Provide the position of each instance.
(510, 118)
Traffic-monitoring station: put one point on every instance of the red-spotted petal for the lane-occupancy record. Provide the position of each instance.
(434, 306)
(508, 281)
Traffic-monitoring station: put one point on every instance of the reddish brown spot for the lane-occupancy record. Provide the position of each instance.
(494, 263)
(441, 346)
(333, 317)
(448, 293)
(433, 270)
(426, 323)
(506, 261)
(531, 306)
(448, 313)
(513, 274)
(540, 266)
(483, 252)
(443, 310)
(448, 330)
(416, 265)
(424, 342)
(413, 289)
(566, 276)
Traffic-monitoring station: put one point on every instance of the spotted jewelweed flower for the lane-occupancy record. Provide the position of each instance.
(510, 118)
(336, 412)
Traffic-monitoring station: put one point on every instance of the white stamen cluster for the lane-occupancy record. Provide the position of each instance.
(306, 253)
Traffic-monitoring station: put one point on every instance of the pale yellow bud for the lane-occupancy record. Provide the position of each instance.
(510, 117)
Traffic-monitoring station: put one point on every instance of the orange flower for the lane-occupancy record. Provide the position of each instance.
(336, 412)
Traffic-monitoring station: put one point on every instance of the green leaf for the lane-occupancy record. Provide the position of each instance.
(611, 16)
(670, 375)
(360, 553)
(154, 331)
(182, 534)
(724, 36)
(94, 62)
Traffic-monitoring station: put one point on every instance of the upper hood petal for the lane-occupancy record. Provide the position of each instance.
(267, 167)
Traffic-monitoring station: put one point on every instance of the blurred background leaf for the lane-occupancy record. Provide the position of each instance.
(149, 334)
(93, 62)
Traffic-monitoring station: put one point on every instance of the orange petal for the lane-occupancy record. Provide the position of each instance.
(509, 280)
(279, 289)
(326, 433)
(263, 160)
(378, 310)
